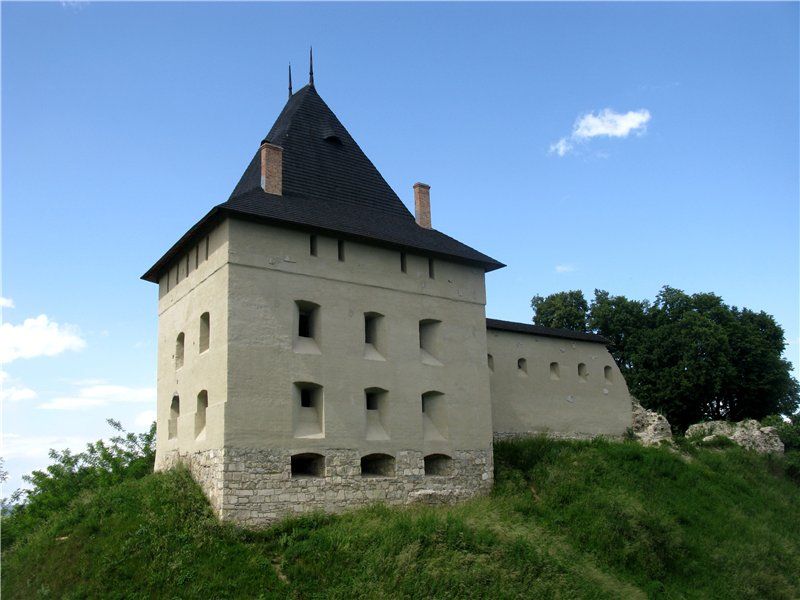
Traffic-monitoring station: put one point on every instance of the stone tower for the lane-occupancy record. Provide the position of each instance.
(319, 346)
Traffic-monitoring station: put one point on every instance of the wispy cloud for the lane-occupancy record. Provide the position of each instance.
(565, 268)
(144, 419)
(37, 446)
(6, 302)
(37, 337)
(92, 396)
(605, 123)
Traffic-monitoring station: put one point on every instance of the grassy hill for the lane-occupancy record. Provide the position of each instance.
(567, 520)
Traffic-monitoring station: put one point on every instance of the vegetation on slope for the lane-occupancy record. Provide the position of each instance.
(567, 519)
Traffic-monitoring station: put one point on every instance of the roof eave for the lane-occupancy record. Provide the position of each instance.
(530, 329)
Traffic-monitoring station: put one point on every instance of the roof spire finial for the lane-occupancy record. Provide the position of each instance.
(311, 66)
(290, 79)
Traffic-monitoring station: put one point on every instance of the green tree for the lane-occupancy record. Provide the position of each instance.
(563, 310)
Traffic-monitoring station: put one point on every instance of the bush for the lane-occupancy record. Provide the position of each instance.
(102, 465)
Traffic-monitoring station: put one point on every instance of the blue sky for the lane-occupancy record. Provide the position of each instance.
(122, 124)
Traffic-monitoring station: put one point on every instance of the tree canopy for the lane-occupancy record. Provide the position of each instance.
(691, 357)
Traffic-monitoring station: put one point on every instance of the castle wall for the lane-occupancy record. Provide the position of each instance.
(270, 270)
(196, 285)
(562, 403)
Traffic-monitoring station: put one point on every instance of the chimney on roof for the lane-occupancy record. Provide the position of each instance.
(422, 204)
(272, 169)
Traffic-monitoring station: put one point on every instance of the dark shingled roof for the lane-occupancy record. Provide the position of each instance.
(329, 185)
(544, 331)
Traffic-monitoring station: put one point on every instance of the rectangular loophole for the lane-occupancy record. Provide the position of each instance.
(340, 250)
(312, 245)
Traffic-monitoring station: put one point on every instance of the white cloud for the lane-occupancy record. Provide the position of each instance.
(37, 446)
(17, 393)
(561, 147)
(101, 395)
(605, 123)
(144, 419)
(6, 302)
(37, 337)
(611, 124)
(565, 268)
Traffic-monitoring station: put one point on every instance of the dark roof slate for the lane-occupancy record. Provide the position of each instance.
(329, 185)
(544, 331)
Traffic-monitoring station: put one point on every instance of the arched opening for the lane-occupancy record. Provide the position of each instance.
(205, 331)
(179, 349)
(438, 464)
(555, 372)
(522, 365)
(200, 414)
(174, 413)
(377, 465)
(308, 464)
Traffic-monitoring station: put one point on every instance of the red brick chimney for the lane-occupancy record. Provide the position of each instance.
(422, 204)
(272, 169)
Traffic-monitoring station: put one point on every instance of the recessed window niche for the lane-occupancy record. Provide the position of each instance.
(434, 416)
(608, 374)
(174, 415)
(306, 327)
(200, 415)
(308, 414)
(583, 373)
(374, 336)
(377, 465)
(429, 341)
(205, 331)
(555, 371)
(179, 350)
(438, 464)
(308, 465)
(376, 409)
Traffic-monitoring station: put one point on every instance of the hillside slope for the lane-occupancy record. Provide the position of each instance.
(567, 519)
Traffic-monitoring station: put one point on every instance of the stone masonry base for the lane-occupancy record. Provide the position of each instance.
(255, 487)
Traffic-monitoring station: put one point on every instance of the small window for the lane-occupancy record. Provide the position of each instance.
(307, 319)
(522, 365)
(179, 350)
(608, 373)
(372, 322)
(583, 374)
(174, 414)
(340, 248)
(372, 400)
(205, 331)
(312, 245)
(207, 245)
(308, 465)
(377, 465)
(200, 413)
(555, 372)
(196, 256)
(490, 361)
(434, 416)
(429, 340)
(307, 397)
(187, 265)
(438, 464)
(431, 271)
(403, 263)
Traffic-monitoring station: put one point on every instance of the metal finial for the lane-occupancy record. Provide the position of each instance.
(311, 66)
(290, 80)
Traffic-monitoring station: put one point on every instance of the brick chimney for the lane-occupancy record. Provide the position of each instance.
(422, 204)
(272, 169)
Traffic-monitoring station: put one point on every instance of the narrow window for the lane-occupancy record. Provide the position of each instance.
(431, 273)
(583, 374)
(490, 362)
(308, 465)
(312, 245)
(306, 319)
(196, 256)
(438, 464)
(377, 465)
(608, 373)
(179, 346)
(187, 265)
(522, 365)
(174, 413)
(205, 331)
(403, 264)
(207, 244)
(434, 416)
(308, 416)
(429, 341)
(372, 400)
(200, 414)
(340, 247)
(555, 373)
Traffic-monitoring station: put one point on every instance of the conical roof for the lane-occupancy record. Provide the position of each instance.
(328, 185)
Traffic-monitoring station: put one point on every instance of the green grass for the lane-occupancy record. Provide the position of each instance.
(566, 520)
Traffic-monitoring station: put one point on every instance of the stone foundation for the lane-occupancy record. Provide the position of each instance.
(255, 487)
(502, 436)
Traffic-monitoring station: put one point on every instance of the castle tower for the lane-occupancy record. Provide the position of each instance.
(319, 346)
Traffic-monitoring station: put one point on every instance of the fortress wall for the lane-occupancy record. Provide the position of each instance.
(558, 401)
